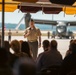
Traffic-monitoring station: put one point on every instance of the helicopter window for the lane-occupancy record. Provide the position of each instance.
(61, 29)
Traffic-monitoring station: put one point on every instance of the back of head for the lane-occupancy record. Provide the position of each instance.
(73, 46)
(25, 47)
(7, 45)
(71, 41)
(45, 44)
(53, 44)
(15, 45)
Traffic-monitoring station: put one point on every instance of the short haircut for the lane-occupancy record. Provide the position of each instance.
(46, 43)
(53, 44)
(32, 20)
(73, 46)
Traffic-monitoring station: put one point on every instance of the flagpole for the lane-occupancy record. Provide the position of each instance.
(2, 37)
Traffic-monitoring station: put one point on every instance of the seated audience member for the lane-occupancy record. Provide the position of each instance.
(45, 48)
(69, 62)
(69, 51)
(12, 57)
(46, 44)
(7, 45)
(15, 45)
(50, 57)
(24, 66)
(25, 48)
(4, 63)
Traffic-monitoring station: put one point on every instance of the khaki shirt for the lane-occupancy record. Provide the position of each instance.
(34, 33)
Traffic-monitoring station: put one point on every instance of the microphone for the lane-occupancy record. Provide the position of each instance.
(30, 28)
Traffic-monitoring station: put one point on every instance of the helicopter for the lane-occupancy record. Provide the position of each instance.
(62, 28)
(62, 31)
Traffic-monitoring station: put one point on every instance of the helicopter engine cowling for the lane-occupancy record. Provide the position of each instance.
(61, 29)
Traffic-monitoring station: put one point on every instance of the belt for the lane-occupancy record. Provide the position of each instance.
(32, 40)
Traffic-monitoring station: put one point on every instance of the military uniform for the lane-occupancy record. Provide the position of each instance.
(32, 39)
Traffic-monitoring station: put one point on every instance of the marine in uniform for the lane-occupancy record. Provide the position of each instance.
(33, 35)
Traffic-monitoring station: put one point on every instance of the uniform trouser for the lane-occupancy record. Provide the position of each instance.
(9, 38)
(34, 48)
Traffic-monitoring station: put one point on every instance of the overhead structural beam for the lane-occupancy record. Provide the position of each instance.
(35, 7)
(31, 1)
